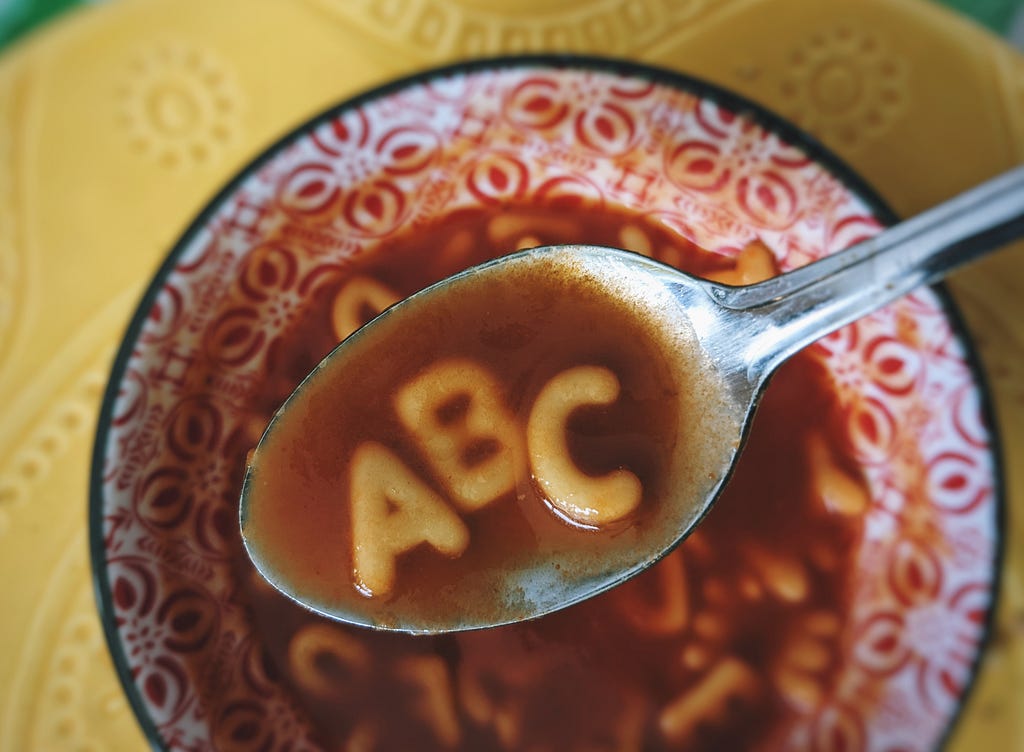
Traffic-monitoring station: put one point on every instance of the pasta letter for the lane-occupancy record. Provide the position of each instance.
(580, 497)
(635, 239)
(362, 739)
(475, 449)
(834, 487)
(325, 660)
(754, 264)
(507, 226)
(730, 680)
(658, 601)
(435, 700)
(782, 574)
(496, 677)
(393, 511)
(802, 668)
(358, 301)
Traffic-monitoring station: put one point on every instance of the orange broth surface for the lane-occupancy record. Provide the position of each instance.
(718, 646)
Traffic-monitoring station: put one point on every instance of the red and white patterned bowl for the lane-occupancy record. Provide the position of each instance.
(713, 168)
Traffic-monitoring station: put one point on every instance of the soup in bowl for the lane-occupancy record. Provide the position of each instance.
(835, 598)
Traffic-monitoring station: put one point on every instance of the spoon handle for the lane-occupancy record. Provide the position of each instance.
(791, 311)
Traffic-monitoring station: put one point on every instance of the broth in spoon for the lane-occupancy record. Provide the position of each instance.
(530, 428)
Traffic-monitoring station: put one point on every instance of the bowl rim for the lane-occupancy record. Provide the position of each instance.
(705, 90)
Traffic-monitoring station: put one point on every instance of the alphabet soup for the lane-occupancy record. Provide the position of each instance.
(530, 419)
(721, 645)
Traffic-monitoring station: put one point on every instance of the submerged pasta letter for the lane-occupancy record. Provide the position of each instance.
(393, 512)
(581, 497)
(319, 653)
(456, 411)
(357, 302)
(728, 684)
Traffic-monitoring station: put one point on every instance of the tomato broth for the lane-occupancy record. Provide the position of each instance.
(716, 647)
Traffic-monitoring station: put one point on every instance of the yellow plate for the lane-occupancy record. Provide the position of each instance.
(117, 124)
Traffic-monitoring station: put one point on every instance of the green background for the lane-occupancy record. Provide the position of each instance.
(17, 17)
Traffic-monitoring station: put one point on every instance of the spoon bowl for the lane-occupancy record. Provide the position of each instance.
(566, 564)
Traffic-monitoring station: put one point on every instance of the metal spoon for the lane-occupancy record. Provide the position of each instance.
(744, 332)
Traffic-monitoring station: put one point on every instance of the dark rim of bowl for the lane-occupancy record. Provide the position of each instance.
(736, 103)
